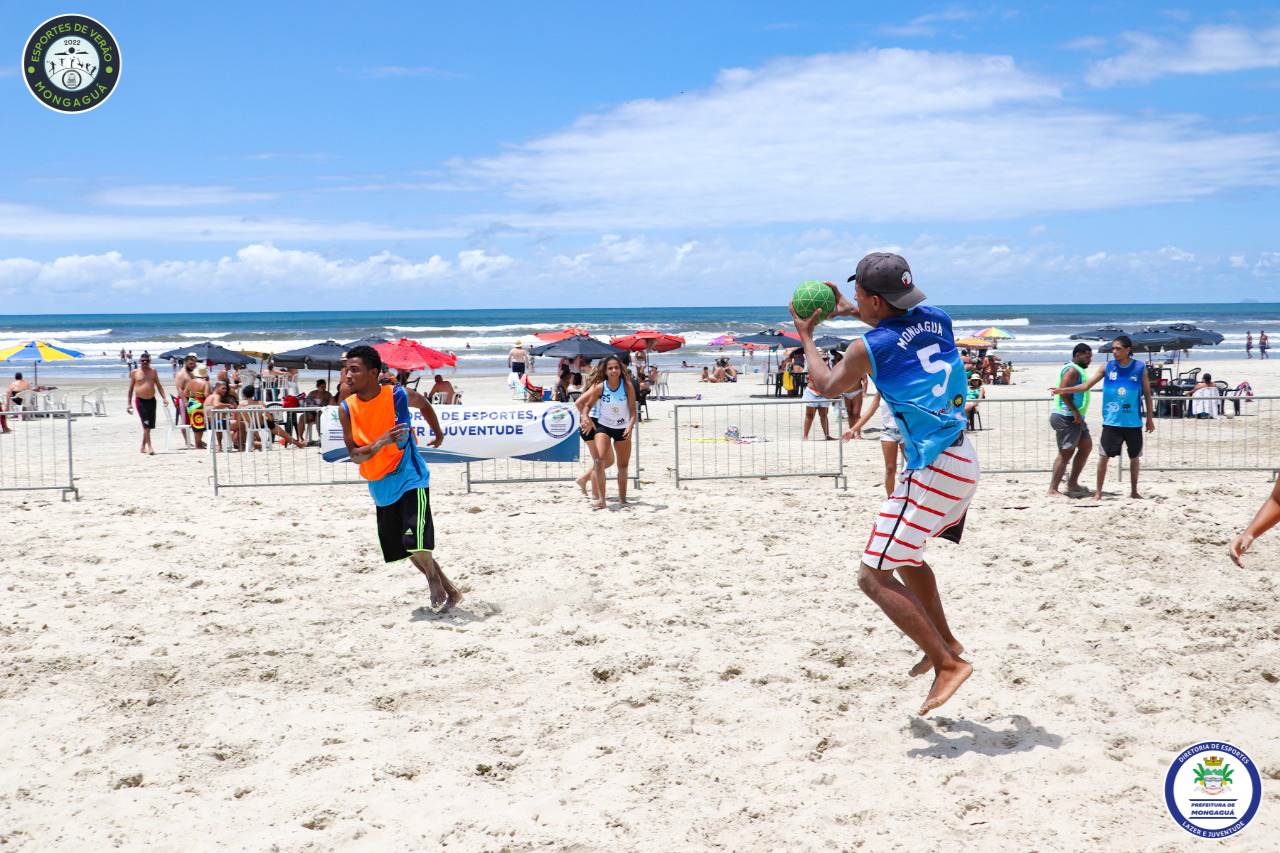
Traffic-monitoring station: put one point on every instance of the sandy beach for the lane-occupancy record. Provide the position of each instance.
(696, 672)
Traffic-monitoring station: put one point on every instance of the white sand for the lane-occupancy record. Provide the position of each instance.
(698, 672)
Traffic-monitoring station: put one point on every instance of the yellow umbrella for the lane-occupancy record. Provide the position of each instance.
(972, 342)
(38, 351)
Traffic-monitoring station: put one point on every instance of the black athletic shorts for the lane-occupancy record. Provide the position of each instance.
(146, 411)
(405, 526)
(589, 436)
(614, 433)
(1114, 436)
(517, 367)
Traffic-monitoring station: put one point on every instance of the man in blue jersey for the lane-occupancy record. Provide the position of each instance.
(1069, 427)
(910, 354)
(1126, 378)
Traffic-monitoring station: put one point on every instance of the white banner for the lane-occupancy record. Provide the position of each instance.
(547, 431)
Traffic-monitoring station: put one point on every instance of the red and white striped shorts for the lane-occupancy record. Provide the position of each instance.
(925, 503)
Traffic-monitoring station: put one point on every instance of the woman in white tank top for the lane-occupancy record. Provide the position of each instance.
(611, 422)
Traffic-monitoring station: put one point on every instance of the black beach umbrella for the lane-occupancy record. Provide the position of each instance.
(832, 342)
(579, 345)
(369, 341)
(208, 351)
(1154, 342)
(769, 339)
(1106, 333)
(322, 356)
(1203, 337)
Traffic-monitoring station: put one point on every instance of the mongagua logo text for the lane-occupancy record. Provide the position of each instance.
(71, 64)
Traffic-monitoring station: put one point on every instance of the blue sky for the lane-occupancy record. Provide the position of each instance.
(428, 155)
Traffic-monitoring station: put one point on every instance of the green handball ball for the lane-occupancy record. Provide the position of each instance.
(813, 296)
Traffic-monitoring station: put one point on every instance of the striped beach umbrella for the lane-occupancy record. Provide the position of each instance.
(994, 334)
(36, 352)
(972, 342)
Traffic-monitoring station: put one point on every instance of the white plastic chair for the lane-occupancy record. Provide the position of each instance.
(24, 401)
(55, 401)
(256, 426)
(662, 388)
(218, 424)
(95, 402)
(168, 416)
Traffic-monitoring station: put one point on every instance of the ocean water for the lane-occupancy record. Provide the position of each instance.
(481, 338)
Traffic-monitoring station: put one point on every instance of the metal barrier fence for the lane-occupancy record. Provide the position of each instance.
(722, 441)
(1015, 436)
(505, 471)
(37, 454)
(272, 464)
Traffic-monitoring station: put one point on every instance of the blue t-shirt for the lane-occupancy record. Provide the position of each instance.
(411, 472)
(1122, 394)
(915, 365)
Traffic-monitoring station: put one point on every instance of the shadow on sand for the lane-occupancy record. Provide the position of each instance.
(952, 738)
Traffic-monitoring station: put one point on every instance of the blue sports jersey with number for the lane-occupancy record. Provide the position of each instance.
(915, 365)
(1122, 394)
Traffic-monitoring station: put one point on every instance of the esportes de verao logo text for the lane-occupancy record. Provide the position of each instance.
(71, 64)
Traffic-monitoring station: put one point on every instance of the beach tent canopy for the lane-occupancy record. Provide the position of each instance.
(405, 354)
(326, 355)
(832, 342)
(1202, 337)
(207, 351)
(578, 345)
(36, 352)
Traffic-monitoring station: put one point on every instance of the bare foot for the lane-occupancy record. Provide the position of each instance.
(926, 665)
(439, 596)
(1097, 496)
(597, 504)
(1135, 496)
(453, 596)
(1054, 493)
(829, 438)
(945, 685)
(582, 483)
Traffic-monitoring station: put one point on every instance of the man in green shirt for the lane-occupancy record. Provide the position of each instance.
(1069, 427)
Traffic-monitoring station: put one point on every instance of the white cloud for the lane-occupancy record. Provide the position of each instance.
(1086, 43)
(23, 222)
(923, 25)
(878, 136)
(176, 195)
(1208, 50)
(635, 269)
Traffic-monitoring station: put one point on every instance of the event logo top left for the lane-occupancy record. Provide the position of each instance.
(71, 64)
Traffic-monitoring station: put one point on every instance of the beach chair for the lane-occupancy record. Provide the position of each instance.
(975, 419)
(174, 425)
(642, 405)
(1189, 376)
(56, 402)
(533, 393)
(24, 401)
(662, 388)
(94, 402)
(255, 423)
(218, 425)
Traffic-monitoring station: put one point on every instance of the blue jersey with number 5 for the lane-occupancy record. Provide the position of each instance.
(915, 365)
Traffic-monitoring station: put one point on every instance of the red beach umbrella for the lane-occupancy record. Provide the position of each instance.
(552, 337)
(405, 354)
(647, 339)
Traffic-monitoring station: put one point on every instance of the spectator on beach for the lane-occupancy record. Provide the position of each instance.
(144, 385)
(18, 385)
(816, 404)
(890, 438)
(910, 351)
(180, 382)
(706, 376)
(1070, 430)
(560, 393)
(444, 388)
(1126, 378)
(576, 370)
(379, 438)
(402, 377)
(1263, 344)
(518, 360)
(1266, 518)
(221, 400)
(197, 390)
(320, 396)
(1248, 345)
(974, 395)
(253, 420)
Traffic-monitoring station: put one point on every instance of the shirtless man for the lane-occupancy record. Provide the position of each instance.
(180, 385)
(144, 384)
(250, 421)
(318, 397)
(518, 360)
(442, 387)
(220, 399)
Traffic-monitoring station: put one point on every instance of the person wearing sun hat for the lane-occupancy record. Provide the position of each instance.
(518, 359)
(910, 353)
